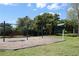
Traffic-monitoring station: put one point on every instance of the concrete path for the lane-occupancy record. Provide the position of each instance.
(18, 43)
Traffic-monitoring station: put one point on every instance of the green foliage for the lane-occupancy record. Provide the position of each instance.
(69, 25)
(23, 21)
(25, 25)
(8, 29)
(47, 21)
(44, 22)
(74, 15)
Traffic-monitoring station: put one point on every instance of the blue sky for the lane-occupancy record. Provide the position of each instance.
(11, 12)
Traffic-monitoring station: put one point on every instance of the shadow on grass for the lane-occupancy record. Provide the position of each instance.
(76, 46)
(2, 50)
(69, 35)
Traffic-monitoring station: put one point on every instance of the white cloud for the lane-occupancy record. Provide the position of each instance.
(5, 3)
(70, 9)
(51, 13)
(59, 14)
(64, 4)
(29, 4)
(47, 12)
(41, 5)
(11, 4)
(34, 9)
(54, 13)
(53, 6)
(41, 13)
(56, 6)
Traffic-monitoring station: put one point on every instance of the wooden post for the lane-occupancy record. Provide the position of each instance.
(63, 34)
(42, 30)
(4, 32)
(27, 34)
(27, 31)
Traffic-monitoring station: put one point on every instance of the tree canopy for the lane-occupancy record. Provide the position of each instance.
(45, 24)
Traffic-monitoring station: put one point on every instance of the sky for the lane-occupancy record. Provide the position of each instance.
(11, 12)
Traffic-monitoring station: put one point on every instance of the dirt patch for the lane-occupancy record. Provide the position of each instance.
(19, 43)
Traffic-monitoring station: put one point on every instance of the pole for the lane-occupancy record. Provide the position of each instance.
(42, 30)
(27, 34)
(27, 31)
(63, 34)
(4, 32)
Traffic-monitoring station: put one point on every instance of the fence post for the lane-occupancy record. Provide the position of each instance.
(4, 31)
(42, 29)
(42, 32)
(27, 34)
(27, 31)
(63, 34)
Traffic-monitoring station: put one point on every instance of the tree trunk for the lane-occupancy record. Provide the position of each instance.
(78, 22)
(73, 31)
(78, 27)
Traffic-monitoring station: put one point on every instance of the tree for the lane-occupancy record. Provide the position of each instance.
(47, 21)
(24, 24)
(42, 24)
(8, 29)
(72, 17)
(76, 8)
(23, 21)
(69, 26)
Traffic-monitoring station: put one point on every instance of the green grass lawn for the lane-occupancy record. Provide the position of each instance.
(69, 47)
